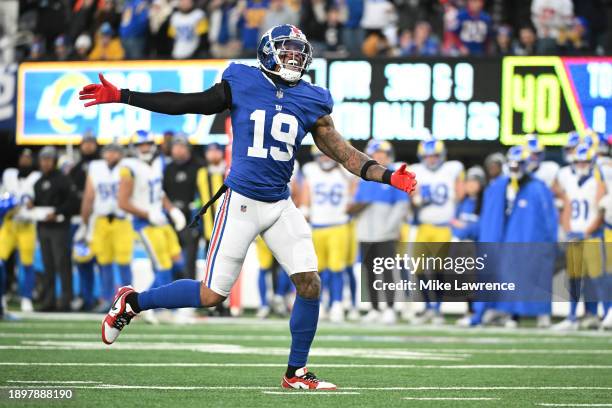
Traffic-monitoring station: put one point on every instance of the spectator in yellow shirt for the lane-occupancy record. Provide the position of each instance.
(107, 47)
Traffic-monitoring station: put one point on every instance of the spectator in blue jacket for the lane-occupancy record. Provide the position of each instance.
(134, 28)
(352, 33)
(465, 224)
(474, 29)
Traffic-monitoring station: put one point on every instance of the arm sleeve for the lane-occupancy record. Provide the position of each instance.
(214, 100)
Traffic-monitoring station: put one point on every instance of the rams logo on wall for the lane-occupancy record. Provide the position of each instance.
(50, 112)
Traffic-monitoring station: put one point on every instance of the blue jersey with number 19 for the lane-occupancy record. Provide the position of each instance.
(269, 121)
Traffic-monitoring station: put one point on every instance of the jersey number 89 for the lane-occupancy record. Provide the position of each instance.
(285, 136)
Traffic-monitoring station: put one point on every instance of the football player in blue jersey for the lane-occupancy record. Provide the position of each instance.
(272, 109)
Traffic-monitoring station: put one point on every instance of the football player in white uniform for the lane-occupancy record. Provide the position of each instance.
(573, 140)
(605, 165)
(326, 191)
(583, 190)
(605, 206)
(140, 194)
(18, 231)
(435, 202)
(109, 231)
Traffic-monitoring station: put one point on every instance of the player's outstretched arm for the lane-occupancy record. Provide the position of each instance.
(214, 100)
(330, 142)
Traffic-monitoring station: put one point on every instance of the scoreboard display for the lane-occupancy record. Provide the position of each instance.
(463, 99)
(552, 96)
(452, 99)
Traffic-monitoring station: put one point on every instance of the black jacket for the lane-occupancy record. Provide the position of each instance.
(57, 191)
(78, 174)
(180, 184)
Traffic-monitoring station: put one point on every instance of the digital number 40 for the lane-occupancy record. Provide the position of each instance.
(538, 99)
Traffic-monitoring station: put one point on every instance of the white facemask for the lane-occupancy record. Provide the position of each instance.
(583, 171)
(289, 75)
(516, 171)
(148, 156)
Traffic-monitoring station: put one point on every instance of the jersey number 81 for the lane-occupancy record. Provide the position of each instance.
(285, 136)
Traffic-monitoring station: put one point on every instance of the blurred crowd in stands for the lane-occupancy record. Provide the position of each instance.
(181, 29)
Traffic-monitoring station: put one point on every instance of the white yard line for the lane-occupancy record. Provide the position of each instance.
(289, 392)
(225, 348)
(144, 387)
(386, 339)
(50, 319)
(260, 365)
(519, 351)
(452, 398)
(551, 404)
(266, 365)
(284, 336)
(52, 382)
(11, 329)
(320, 338)
(212, 388)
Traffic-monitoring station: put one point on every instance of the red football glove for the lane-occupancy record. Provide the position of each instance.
(100, 93)
(403, 180)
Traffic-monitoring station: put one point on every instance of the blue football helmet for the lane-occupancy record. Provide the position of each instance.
(518, 161)
(584, 159)
(81, 250)
(144, 137)
(573, 140)
(585, 153)
(432, 147)
(536, 149)
(284, 51)
(384, 146)
(596, 141)
(533, 143)
(7, 203)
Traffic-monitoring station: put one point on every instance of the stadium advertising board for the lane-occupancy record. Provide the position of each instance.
(50, 112)
(392, 99)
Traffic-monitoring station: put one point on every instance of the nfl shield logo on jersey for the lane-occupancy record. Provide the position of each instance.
(243, 208)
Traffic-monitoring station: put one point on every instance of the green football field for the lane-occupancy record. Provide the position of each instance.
(239, 363)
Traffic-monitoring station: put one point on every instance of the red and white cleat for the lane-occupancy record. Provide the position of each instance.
(305, 380)
(118, 316)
